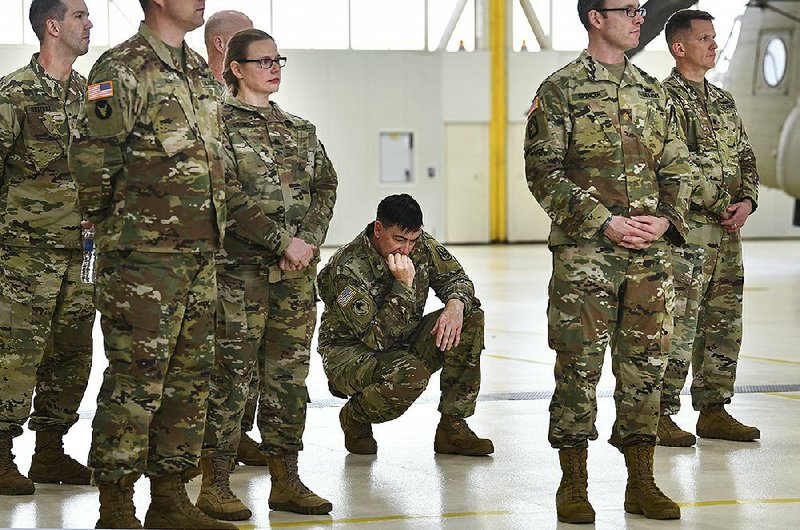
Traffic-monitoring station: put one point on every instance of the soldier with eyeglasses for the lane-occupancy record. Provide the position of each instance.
(604, 159)
(266, 312)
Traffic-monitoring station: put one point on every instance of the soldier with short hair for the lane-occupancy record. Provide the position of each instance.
(377, 345)
(266, 312)
(46, 312)
(148, 164)
(709, 275)
(604, 158)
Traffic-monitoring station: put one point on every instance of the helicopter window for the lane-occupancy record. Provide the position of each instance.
(774, 62)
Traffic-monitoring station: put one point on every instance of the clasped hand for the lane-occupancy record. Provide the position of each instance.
(637, 232)
(297, 255)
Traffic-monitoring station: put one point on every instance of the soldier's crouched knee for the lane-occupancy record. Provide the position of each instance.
(408, 380)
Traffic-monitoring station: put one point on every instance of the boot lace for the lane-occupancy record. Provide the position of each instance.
(220, 467)
(293, 476)
(647, 480)
(576, 487)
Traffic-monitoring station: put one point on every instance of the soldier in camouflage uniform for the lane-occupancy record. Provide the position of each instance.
(148, 164)
(219, 29)
(377, 346)
(709, 276)
(267, 303)
(605, 160)
(46, 312)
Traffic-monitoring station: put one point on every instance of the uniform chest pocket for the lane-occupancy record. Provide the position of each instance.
(654, 130)
(171, 126)
(43, 145)
(591, 123)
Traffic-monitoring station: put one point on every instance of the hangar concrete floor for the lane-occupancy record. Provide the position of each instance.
(720, 485)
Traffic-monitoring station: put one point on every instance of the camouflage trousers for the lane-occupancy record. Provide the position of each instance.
(599, 294)
(709, 282)
(264, 332)
(46, 319)
(249, 416)
(384, 384)
(157, 315)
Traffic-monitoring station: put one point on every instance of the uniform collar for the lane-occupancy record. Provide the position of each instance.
(271, 113)
(163, 52)
(684, 84)
(53, 87)
(376, 261)
(598, 72)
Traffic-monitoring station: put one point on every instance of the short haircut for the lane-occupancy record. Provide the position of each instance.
(145, 4)
(238, 47)
(682, 21)
(219, 24)
(400, 210)
(584, 6)
(42, 11)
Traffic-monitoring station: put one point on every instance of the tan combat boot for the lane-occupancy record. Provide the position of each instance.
(249, 453)
(454, 437)
(216, 498)
(50, 465)
(12, 482)
(358, 437)
(288, 493)
(116, 504)
(170, 507)
(642, 496)
(572, 497)
(715, 422)
(670, 435)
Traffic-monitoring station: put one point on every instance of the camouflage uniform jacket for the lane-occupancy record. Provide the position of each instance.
(283, 167)
(148, 157)
(594, 148)
(37, 193)
(718, 146)
(365, 305)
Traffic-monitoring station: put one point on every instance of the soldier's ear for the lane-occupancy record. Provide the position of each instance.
(678, 50)
(51, 27)
(219, 44)
(594, 19)
(236, 69)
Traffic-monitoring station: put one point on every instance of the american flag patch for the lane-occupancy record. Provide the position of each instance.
(100, 90)
(346, 296)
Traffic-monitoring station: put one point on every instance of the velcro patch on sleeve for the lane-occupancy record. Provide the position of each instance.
(102, 90)
(346, 296)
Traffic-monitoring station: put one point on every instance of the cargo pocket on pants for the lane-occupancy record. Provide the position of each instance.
(683, 272)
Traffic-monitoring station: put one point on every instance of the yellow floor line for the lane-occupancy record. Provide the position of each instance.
(767, 359)
(370, 520)
(507, 358)
(783, 395)
(703, 504)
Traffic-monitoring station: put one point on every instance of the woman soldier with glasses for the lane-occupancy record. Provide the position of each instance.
(267, 304)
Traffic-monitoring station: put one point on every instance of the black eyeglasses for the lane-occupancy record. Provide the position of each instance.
(630, 11)
(266, 62)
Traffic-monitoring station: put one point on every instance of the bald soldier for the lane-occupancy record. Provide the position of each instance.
(148, 164)
(219, 29)
(709, 275)
(379, 348)
(604, 158)
(46, 313)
